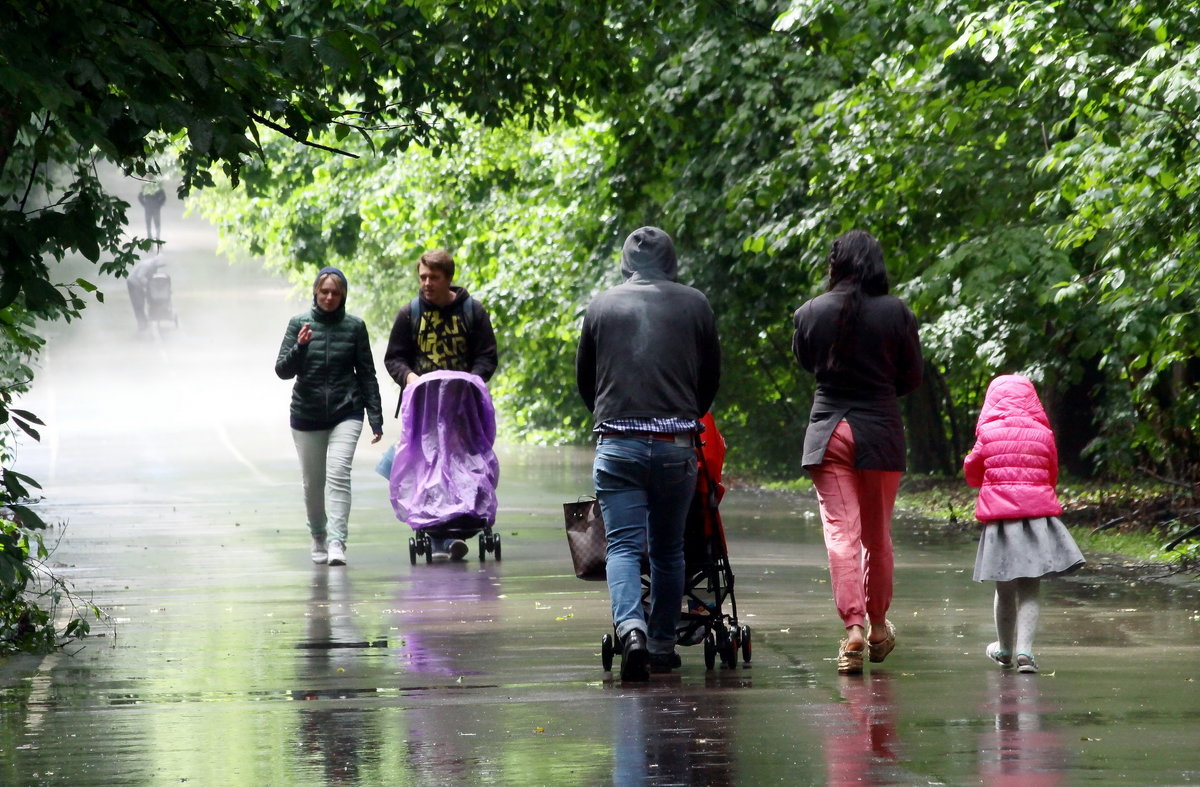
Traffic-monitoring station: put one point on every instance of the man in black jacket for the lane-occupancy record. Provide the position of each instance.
(443, 328)
(648, 367)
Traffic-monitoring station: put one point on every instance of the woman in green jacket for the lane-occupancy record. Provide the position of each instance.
(329, 354)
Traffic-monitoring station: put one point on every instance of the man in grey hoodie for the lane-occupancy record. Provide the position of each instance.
(648, 367)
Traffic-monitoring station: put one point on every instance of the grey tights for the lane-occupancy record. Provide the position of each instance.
(1017, 610)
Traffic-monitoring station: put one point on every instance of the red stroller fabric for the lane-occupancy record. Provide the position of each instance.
(709, 489)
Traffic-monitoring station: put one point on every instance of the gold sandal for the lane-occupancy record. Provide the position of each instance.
(849, 662)
(880, 650)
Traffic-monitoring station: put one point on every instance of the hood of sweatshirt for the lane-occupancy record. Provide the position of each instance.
(649, 253)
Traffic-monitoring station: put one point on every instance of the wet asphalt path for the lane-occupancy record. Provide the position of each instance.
(228, 659)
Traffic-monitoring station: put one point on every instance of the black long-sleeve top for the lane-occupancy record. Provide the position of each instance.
(863, 389)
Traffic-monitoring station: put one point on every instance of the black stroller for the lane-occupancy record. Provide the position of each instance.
(444, 474)
(711, 614)
(159, 308)
(465, 527)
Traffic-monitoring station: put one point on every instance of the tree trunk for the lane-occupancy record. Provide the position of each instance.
(1073, 415)
(9, 123)
(927, 426)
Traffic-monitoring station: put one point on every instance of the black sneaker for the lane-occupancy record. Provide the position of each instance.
(635, 658)
(665, 662)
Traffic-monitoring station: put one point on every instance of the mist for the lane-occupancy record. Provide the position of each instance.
(126, 409)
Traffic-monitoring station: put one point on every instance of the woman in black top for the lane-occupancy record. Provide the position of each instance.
(862, 345)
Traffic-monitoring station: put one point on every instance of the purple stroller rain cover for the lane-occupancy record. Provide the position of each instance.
(445, 467)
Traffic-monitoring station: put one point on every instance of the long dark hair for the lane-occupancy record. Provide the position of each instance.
(855, 263)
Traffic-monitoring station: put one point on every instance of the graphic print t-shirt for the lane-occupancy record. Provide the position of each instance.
(442, 341)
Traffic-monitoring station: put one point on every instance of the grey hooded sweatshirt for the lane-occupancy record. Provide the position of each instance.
(649, 346)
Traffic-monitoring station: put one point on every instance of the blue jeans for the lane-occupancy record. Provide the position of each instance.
(645, 487)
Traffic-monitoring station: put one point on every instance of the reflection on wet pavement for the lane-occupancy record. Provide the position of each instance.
(661, 737)
(860, 741)
(1019, 749)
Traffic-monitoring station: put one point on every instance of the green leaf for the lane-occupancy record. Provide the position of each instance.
(89, 247)
(27, 429)
(28, 416)
(28, 518)
(297, 55)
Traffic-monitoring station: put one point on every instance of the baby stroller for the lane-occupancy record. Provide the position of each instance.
(708, 582)
(158, 299)
(444, 474)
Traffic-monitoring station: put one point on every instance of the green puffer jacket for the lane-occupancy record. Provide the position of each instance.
(335, 374)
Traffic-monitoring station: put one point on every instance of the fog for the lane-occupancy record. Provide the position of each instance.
(189, 401)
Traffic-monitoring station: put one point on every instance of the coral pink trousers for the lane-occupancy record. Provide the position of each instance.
(856, 514)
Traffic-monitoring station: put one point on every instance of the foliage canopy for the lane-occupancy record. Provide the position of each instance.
(1029, 168)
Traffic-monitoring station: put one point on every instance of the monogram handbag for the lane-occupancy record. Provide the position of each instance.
(585, 537)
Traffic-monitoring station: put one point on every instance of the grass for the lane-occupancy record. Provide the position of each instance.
(793, 485)
(1135, 546)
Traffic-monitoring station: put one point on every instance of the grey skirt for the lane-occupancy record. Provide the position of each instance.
(1033, 548)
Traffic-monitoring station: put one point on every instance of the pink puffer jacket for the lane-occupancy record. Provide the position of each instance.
(1014, 462)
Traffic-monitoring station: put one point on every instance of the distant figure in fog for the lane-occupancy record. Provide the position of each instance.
(138, 285)
(442, 329)
(152, 196)
(862, 346)
(1015, 466)
(328, 352)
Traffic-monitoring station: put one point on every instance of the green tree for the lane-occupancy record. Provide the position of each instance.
(1122, 157)
(1028, 168)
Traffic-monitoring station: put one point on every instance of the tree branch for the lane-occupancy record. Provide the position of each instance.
(1182, 537)
(1171, 481)
(287, 133)
(33, 169)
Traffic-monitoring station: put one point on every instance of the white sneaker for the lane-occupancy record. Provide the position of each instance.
(337, 553)
(1001, 657)
(319, 553)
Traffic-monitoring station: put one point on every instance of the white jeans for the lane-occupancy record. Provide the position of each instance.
(325, 459)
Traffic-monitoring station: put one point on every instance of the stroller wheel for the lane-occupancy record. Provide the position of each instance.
(412, 551)
(710, 652)
(725, 645)
(496, 545)
(745, 644)
(729, 654)
(606, 652)
(483, 547)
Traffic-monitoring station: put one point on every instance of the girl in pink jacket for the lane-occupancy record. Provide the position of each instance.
(1015, 466)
